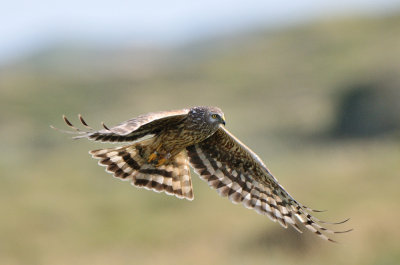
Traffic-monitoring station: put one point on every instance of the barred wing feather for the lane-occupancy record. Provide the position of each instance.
(238, 173)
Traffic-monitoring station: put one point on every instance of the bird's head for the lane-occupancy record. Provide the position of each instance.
(216, 116)
(211, 116)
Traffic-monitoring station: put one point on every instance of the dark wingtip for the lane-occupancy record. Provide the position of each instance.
(346, 231)
(104, 126)
(82, 120)
(67, 121)
(342, 222)
(333, 241)
(334, 223)
(318, 211)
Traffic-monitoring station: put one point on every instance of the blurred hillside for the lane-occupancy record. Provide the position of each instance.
(281, 90)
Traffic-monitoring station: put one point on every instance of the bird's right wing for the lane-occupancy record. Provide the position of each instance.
(236, 172)
(130, 130)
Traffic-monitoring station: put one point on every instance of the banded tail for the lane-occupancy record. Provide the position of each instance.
(128, 163)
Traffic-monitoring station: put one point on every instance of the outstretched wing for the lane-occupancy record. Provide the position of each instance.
(130, 130)
(235, 171)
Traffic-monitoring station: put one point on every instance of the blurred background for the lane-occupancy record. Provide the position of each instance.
(312, 86)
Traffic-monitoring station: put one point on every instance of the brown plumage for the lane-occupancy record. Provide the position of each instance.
(165, 143)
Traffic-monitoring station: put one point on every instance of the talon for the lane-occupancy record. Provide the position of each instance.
(152, 157)
(161, 161)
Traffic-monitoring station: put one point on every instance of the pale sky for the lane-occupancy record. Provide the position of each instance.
(27, 25)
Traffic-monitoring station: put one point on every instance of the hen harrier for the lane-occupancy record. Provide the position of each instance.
(163, 144)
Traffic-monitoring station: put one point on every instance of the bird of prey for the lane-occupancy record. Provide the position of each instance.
(162, 145)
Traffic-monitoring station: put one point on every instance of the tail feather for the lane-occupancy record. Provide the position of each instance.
(128, 163)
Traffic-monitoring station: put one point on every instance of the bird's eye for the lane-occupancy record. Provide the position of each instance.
(214, 116)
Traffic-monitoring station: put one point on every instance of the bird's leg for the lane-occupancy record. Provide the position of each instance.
(163, 159)
(159, 156)
(152, 157)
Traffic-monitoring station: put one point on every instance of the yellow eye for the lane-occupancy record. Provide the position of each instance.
(214, 116)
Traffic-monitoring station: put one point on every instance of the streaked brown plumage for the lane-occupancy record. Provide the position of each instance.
(165, 143)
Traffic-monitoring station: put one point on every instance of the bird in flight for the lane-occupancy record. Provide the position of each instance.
(162, 145)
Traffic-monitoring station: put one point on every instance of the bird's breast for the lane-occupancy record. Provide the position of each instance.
(182, 137)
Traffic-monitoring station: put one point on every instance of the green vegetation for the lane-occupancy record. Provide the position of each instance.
(368, 110)
(280, 91)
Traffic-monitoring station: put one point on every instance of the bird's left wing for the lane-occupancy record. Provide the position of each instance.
(130, 130)
(235, 171)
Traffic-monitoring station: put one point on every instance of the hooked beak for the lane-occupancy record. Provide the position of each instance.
(223, 120)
